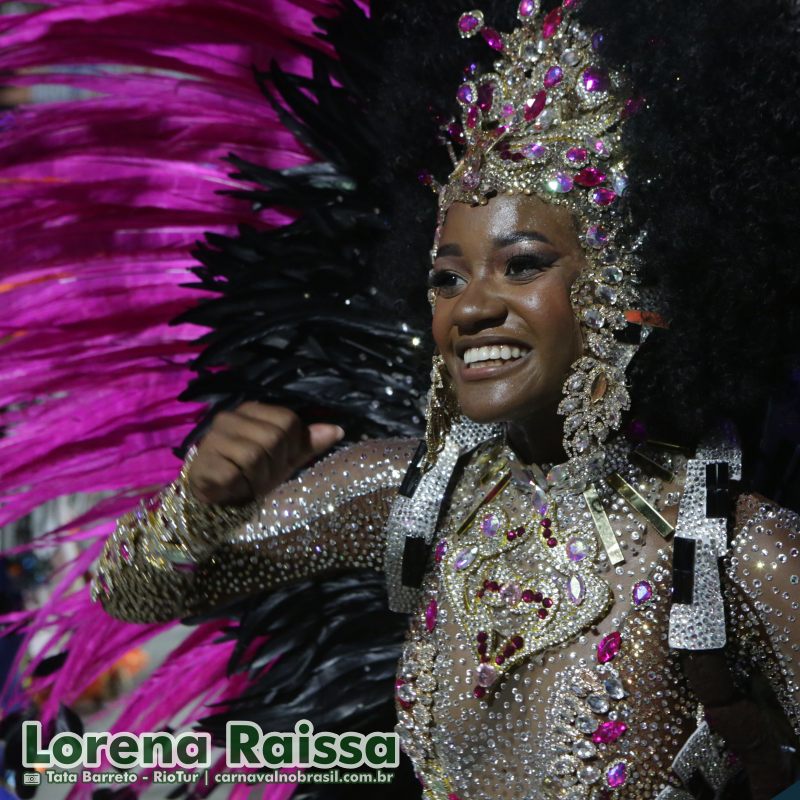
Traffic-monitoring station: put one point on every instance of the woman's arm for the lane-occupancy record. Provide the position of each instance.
(186, 557)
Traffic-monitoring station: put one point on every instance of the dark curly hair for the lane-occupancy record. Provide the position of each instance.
(714, 180)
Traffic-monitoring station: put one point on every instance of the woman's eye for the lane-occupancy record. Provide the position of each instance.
(523, 265)
(444, 280)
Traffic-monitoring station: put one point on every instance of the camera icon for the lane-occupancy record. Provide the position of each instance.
(31, 779)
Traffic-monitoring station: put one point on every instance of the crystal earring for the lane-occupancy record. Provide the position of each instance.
(441, 411)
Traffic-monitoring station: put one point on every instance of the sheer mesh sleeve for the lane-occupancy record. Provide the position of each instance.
(763, 572)
(177, 557)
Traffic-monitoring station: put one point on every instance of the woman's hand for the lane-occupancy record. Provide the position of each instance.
(250, 451)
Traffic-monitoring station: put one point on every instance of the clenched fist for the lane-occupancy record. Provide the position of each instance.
(250, 451)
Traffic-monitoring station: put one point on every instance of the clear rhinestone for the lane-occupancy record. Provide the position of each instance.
(598, 703)
(614, 688)
(584, 749)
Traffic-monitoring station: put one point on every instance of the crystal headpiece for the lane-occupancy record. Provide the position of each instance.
(546, 120)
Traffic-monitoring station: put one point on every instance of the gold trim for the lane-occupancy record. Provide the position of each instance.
(604, 529)
(640, 505)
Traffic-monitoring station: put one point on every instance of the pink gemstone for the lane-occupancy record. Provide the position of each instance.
(577, 155)
(608, 647)
(534, 106)
(538, 597)
(500, 660)
(517, 641)
(603, 197)
(576, 549)
(547, 522)
(527, 8)
(535, 150)
(589, 177)
(124, 551)
(453, 796)
(547, 602)
(527, 596)
(576, 589)
(485, 96)
(553, 77)
(441, 549)
(472, 116)
(609, 732)
(468, 23)
(551, 22)
(493, 39)
(508, 110)
(487, 675)
(595, 79)
(490, 525)
(482, 636)
(464, 559)
(430, 615)
(479, 691)
(509, 650)
(552, 541)
(465, 94)
(617, 775)
(570, 3)
(542, 613)
(642, 592)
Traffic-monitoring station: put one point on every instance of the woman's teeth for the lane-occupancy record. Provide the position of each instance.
(476, 355)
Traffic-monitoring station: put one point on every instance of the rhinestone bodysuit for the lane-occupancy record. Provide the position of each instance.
(594, 703)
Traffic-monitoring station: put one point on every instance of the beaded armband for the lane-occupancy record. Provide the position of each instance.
(165, 537)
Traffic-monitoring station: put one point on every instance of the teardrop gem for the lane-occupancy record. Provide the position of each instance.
(552, 22)
(470, 23)
(465, 558)
(534, 106)
(608, 647)
(553, 77)
(431, 613)
(493, 39)
(642, 592)
(576, 589)
(617, 775)
(560, 183)
(527, 9)
(590, 177)
(595, 79)
(603, 197)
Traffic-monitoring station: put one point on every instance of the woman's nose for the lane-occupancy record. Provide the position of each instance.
(479, 306)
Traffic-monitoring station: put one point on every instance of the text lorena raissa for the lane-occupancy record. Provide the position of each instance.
(246, 745)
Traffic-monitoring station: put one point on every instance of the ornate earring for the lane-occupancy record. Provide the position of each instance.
(442, 410)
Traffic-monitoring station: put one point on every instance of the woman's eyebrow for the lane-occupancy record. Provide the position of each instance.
(448, 250)
(519, 236)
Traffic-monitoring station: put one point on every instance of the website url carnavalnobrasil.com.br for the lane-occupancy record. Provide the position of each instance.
(333, 776)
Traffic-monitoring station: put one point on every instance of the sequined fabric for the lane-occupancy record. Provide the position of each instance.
(157, 567)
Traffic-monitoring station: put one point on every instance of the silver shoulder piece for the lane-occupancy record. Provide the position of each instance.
(415, 514)
(697, 615)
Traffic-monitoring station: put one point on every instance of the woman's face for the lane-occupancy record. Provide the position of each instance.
(503, 320)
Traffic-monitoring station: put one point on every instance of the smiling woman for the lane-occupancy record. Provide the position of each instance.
(572, 633)
(503, 274)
